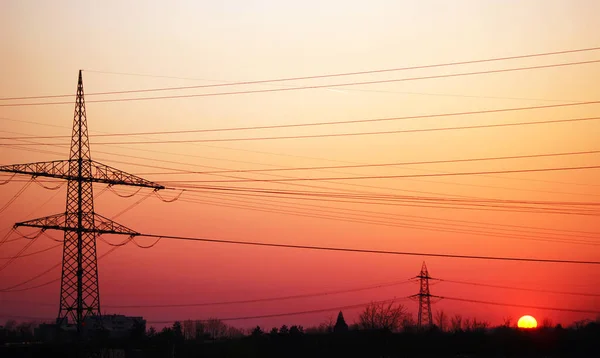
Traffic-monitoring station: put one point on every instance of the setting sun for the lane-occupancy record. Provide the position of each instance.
(527, 322)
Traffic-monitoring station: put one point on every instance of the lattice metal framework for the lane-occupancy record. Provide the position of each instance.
(425, 314)
(79, 293)
(61, 169)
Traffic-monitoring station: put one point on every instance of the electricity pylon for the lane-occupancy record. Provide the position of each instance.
(79, 290)
(425, 315)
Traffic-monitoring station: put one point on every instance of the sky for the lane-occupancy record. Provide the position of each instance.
(130, 45)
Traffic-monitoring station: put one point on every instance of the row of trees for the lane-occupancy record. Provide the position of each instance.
(376, 316)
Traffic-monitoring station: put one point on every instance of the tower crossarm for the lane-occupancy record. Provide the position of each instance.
(100, 173)
(53, 169)
(97, 224)
(109, 175)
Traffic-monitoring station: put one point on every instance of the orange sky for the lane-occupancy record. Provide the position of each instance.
(45, 43)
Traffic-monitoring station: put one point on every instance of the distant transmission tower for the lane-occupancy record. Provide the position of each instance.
(79, 291)
(424, 298)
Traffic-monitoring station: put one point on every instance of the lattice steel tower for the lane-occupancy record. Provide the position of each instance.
(425, 319)
(79, 290)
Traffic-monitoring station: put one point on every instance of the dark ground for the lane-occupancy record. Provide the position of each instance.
(497, 342)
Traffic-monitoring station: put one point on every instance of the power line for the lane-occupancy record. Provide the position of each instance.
(16, 196)
(296, 313)
(391, 176)
(132, 205)
(19, 253)
(27, 317)
(357, 89)
(369, 71)
(399, 200)
(338, 183)
(268, 299)
(539, 155)
(8, 180)
(391, 197)
(246, 150)
(12, 288)
(367, 217)
(302, 136)
(387, 223)
(183, 171)
(303, 77)
(146, 150)
(348, 184)
(31, 253)
(257, 300)
(369, 251)
(242, 178)
(518, 228)
(480, 207)
(6, 236)
(433, 115)
(519, 288)
(379, 187)
(325, 293)
(258, 316)
(347, 307)
(519, 305)
(472, 202)
(308, 87)
(275, 175)
(307, 136)
(391, 221)
(323, 135)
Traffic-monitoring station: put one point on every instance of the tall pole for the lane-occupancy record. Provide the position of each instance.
(79, 290)
(78, 107)
(80, 295)
(425, 316)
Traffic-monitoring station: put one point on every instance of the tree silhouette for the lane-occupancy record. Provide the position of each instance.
(234, 332)
(284, 330)
(326, 326)
(177, 330)
(340, 323)
(441, 319)
(546, 323)
(456, 323)
(189, 329)
(151, 332)
(408, 323)
(296, 330)
(577, 340)
(379, 315)
(257, 332)
(216, 328)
